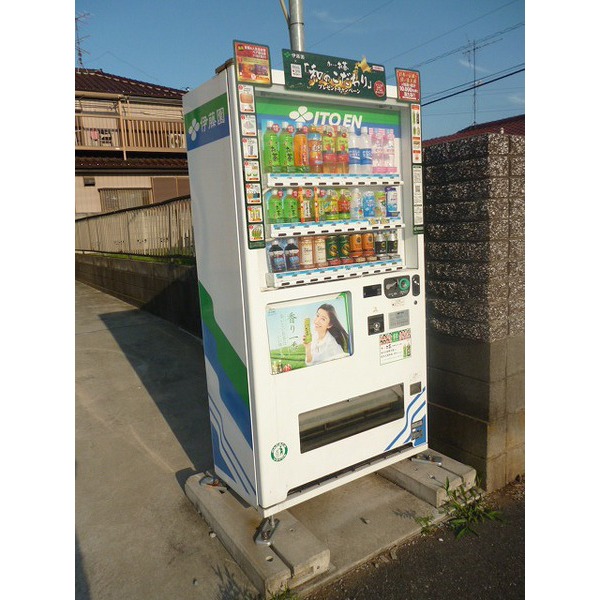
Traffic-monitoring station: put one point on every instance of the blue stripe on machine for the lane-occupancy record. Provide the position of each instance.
(228, 452)
(233, 401)
(407, 419)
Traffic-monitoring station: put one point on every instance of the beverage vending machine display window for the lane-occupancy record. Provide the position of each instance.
(307, 217)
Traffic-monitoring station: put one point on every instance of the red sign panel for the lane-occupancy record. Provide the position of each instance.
(252, 62)
(409, 85)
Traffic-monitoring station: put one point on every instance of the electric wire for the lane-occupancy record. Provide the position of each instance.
(450, 31)
(472, 87)
(460, 85)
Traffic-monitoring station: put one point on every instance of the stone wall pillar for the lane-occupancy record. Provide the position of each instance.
(475, 265)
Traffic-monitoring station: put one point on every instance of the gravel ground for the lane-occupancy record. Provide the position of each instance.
(436, 566)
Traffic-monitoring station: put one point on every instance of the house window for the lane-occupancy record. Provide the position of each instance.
(115, 198)
(89, 181)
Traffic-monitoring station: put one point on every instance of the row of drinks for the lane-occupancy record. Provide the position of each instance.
(310, 252)
(328, 149)
(305, 205)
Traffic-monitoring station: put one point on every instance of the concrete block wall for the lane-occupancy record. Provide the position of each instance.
(475, 265)
(167, 290)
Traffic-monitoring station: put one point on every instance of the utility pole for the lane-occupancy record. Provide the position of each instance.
(295, 22)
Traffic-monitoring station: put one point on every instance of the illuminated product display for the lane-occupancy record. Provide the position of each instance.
(306, 195)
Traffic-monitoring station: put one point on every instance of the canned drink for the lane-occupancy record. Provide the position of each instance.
(344, 249)
(356, 245)
(307, 260)
(331, 247)
(380, 244)
(368, 204)
(392, 243)
(368, 243)
(320, 251)
(380, 204)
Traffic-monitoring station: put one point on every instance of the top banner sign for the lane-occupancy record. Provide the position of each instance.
(331, 75)
(409, 85)
(253, 64)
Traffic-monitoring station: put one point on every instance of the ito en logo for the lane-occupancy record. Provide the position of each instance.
(302, 115)
(279, 451)
(322, 117)
(193, 129)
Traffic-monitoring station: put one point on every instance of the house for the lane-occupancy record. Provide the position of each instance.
(129, 143)
(508, 126)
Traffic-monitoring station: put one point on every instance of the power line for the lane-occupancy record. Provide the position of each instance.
(450, 31)
(478, 84)
(467, 46)
(352, 23)
(467, 83)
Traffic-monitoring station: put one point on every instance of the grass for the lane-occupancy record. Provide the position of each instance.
(466, 508)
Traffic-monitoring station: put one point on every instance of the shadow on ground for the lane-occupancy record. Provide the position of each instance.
(170, 364)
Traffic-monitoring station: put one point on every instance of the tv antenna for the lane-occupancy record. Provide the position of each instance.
(471, 53)
(78, 39)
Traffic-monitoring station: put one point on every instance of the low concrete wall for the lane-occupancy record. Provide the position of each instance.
(475, 263)
(166, 290)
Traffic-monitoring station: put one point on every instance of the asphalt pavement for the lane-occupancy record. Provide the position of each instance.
(142, 429)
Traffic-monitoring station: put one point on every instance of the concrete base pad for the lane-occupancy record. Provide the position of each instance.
(321, 539)
(428, 481)
(294, 555)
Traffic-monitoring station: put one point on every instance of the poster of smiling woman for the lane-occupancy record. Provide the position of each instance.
(308, 332)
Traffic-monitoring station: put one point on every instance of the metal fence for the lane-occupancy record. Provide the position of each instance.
(163, 229)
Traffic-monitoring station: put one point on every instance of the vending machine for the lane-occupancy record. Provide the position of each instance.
(306, 189)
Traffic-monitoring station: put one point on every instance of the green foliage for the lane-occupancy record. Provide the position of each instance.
(466, 508)
(426, 524)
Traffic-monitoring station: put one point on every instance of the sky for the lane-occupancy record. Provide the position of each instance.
(179, 43)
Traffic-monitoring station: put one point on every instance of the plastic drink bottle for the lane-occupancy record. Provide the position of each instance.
(329, 155)
(286, 148)
(307, 331)
(391, 201)
(390, 153)
(271, 148)
(331, 206)
(276, 258)
(366, 152)
(290, 206)
(301, 149)
(356, 204)
(377, 150)
(315, 150)
(380, 204)
(292, 255)
(275, 207)
(341, 151)
(306, 205)
(344, 204)
(353, 152)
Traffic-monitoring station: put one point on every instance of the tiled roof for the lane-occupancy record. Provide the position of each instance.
(509, 126)
(95, 80)
(155, 163)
